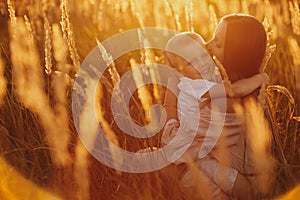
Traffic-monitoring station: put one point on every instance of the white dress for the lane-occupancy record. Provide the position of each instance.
(190, 115)
(200, 141)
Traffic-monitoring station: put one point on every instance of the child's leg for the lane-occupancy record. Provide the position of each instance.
(197, 185)
(171, 176)
(193, 183)
(223, 176)
(228, 179)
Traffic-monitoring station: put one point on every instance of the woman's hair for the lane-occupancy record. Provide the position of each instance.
(245, 46)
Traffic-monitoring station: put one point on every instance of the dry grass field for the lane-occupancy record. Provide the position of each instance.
(42, 45)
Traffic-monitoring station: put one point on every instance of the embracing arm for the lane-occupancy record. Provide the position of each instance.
(170, 101)
(245, 86)
(240, 88)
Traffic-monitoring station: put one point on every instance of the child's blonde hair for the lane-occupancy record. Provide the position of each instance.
(187, 48)
(178, 47)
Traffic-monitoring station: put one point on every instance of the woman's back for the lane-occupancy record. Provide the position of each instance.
(232, 148)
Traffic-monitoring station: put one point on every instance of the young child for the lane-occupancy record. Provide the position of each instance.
(200, 82)
(201, 79)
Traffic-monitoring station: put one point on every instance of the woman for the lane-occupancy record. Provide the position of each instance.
(239, 44)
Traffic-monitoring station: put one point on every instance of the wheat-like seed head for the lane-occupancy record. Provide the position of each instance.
(269, 48)
(48, 47)
(143, 93)
(28, 25)
(3, 80)
(268, 53)
(13, 19)
(148, 58)
(107, 57)
(259, 142)
(29, 87)
(60, 49)
(295, 16)
(14, 185)
(81, 171)
(213, 18)
(68, 34)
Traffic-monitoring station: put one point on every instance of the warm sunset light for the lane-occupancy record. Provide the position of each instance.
(149, 99)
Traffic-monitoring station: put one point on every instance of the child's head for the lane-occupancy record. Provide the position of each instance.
(186, 53)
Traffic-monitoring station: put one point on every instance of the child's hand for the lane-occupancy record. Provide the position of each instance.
(244, 87)
(264, 78)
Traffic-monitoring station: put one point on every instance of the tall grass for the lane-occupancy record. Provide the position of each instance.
(42, 45)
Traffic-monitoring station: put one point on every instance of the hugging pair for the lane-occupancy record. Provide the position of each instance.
(206, 99)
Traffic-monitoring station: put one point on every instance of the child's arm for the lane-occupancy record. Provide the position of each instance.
(245, 86)
(170, 101)
(240, 88)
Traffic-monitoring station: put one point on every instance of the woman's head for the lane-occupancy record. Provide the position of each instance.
(239, 44)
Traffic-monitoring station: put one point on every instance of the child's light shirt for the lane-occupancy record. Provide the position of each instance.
(205, 130)
(188, 106)
(190, 93)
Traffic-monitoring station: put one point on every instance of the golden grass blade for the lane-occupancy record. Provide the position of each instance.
(175, 14)
(48, 47)
(295, 16)
(244, 7)
(3, 80)
(143, 93)
(28, 25)
(107, 129)
(268, 53)
(291, 195)
(109, 62)
(268, 11)
(60, 49)
(259, 135)
(81, 172)
(29, 87)
(12, 16)
(281, 106)
(154, 76)
(189, 15)
(88, 121)
(282, 92)
(68, 34)
(269, 48)
(148, 58)
(13, 186)
(201, 190)
(297, 118)
(295, 49)
(213, 19)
